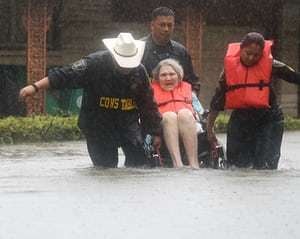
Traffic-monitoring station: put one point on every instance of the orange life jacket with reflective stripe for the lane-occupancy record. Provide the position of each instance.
(179, 98)
(247, 87)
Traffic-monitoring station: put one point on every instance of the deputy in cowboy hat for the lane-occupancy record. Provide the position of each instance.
(117, 100)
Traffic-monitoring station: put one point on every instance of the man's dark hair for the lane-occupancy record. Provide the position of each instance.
(253, 37)
(162, 11)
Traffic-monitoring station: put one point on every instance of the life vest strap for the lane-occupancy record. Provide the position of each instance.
(260, 85)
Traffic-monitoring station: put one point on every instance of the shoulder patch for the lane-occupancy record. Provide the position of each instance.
(79, 65)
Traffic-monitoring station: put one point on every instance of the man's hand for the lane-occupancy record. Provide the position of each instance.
(156, 143)
(27, 91)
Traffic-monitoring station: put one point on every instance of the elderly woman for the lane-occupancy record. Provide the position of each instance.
(174, 99)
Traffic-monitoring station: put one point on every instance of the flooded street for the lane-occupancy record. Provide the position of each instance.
(52, 191)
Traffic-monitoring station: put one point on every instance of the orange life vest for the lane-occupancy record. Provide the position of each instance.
(247, 87)
(179, 98)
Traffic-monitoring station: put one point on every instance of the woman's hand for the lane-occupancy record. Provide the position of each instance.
(211, 118)
(211, 137)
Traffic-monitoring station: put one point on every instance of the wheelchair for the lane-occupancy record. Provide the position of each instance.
(209, 156)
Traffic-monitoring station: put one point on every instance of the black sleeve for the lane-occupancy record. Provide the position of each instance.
(189, 73)
(72, 76)
(218, 101)
(149, 114)
(283, 71)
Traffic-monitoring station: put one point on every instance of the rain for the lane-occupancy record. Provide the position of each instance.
(49, 187)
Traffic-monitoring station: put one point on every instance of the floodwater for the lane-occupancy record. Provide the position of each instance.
(52, 191)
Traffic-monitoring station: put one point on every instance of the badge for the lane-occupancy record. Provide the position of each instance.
(79, 65)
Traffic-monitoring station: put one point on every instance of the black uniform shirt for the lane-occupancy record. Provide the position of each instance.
(154, 54)
(111, 100)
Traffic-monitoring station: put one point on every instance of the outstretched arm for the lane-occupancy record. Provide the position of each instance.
(285, 72)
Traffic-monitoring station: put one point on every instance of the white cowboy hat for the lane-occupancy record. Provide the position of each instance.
(127, 51)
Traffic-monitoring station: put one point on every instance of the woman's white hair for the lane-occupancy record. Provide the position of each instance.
(168, 62)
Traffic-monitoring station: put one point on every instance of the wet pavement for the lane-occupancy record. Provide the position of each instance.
(52, 191)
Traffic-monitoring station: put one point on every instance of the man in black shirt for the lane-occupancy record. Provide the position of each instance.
(159, 46)
(117, 100)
